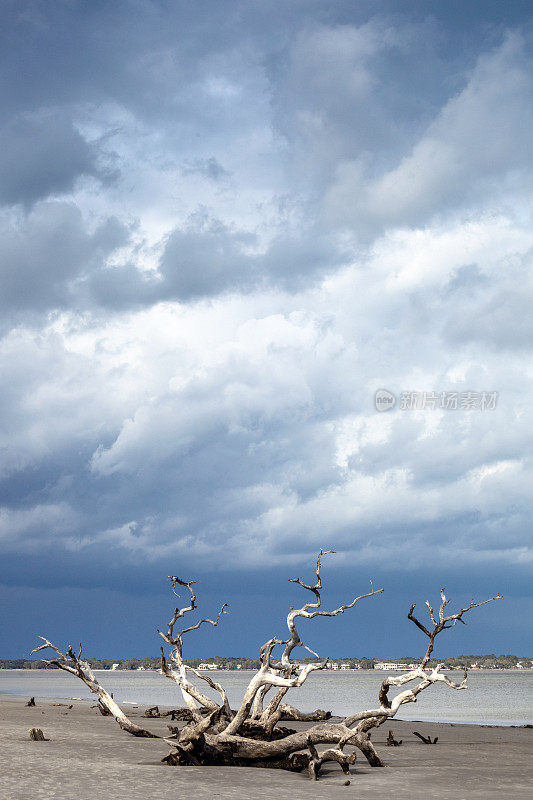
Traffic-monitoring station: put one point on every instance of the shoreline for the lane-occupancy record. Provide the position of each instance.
(88, 757)
(495, 698)
(8, 696)
(242, 671)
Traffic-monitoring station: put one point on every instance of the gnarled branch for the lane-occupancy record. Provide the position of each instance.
(71, 662)
(191, 694)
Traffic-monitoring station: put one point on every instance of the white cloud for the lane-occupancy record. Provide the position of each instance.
(247, 421)
(197, 343)
(476, 149)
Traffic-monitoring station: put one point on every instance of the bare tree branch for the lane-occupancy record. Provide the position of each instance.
(191, 694)
(441, 624)
(286, 674)
(70, 662)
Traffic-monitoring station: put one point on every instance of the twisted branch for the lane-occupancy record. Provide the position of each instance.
(71, 662)
(191, 694)
(305, 613)
(443, 623)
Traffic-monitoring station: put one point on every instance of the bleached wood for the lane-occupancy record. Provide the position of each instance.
(295, 640)
(72, 663)
(192, 696)
(215, 735)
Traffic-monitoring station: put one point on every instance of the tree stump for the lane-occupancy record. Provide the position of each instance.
(36, 735)
(391, 741)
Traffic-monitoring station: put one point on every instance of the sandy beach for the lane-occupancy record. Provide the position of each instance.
(88, 757)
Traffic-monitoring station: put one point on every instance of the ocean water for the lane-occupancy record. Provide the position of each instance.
(492, 698)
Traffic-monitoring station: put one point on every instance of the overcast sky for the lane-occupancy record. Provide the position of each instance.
(224, 226)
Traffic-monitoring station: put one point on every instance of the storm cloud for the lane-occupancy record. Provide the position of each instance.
(224, 227)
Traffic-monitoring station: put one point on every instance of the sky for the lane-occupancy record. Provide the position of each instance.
(224, 226)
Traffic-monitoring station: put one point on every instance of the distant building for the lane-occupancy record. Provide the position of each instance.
(114, 667)
(392, 665)
(207, 666)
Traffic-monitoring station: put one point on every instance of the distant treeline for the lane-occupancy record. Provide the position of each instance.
(485, 661)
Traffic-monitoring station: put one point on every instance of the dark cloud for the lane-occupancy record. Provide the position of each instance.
(337, 120)
(206, 258)
(42, 256)
(40, 156)
(308, 201)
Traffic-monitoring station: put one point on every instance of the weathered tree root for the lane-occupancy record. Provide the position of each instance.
(199, 752)
(175, 714)
(426, 739)
(253, 730)
(293, 714)
(187, 756)
(334, 754)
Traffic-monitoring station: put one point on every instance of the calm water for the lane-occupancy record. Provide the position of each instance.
(493, 697)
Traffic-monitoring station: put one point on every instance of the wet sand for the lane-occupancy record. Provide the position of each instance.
(88, 757)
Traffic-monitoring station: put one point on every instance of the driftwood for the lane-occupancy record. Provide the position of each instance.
(391, 741)
(215, 734)
(36, 735)
(426, 739)
(103, 709)
(31, 701)
(316, 761)
(181, 714)
(290, 713)
(73, 663)
(184, 714)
